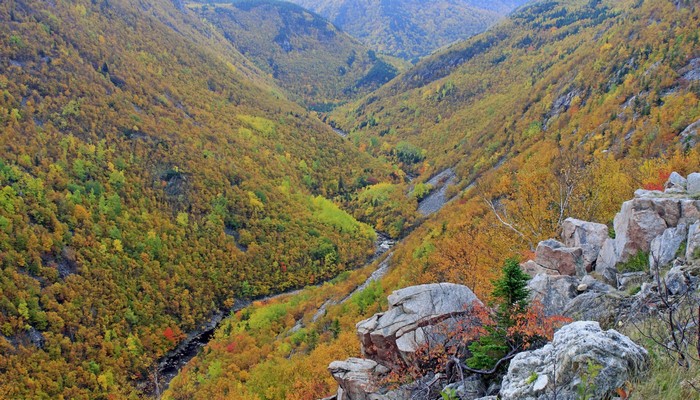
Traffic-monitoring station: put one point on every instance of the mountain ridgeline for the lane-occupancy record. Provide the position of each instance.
(411, 28)
(318, 64)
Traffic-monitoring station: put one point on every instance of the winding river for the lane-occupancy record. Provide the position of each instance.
(171, 364)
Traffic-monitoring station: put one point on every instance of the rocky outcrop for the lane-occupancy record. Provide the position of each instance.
(693, 184)
(563, 364)
(357, 378)
(589, 236)
(660, 223)
(554, 255)
(553, 292)
(470, 388)
(676, 183)
(533, 269)
(414, 314)
(653, 221)
(664, 247)
(636, 225)
(602, 307)
(693, 241)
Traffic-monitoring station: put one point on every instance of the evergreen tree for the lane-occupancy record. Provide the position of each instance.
(512, 296)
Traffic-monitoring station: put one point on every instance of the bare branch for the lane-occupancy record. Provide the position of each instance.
(508, 225)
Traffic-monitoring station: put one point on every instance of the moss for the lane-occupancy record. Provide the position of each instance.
(637, 263)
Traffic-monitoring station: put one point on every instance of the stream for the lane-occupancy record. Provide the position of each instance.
(171, 364)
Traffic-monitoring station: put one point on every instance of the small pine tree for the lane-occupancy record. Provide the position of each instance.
(511, 291)
(512, 297)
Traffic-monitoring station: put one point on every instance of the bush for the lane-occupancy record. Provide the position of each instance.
(638, 263)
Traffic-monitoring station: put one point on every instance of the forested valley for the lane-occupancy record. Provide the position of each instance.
(162, 161)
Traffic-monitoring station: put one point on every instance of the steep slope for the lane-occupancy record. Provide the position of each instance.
(562, 111)
(317, 63)
(411, 28)
(599, 76)
(149, 175)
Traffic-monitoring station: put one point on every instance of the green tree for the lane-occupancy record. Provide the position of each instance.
(511, 294)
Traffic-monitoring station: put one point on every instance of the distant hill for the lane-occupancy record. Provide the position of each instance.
(411, 28)
(554, 69)
(317, 63)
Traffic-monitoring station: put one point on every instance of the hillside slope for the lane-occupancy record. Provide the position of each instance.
(411, 28)
(600, 76)
(562, 111)
(149, 175)
(318, 64)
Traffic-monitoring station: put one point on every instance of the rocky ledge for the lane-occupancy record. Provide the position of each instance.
(591, 275)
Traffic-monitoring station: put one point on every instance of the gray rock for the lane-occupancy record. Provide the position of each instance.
(589, 236)
(630, 280)
(573, 348)
(488, 398)
(554, 255)
(595, 306)
(690, 211)
(357, 377)
(694, 184)
(693, 241)
(415, 313)
(676, 181)
(468, 389)
(596, 285)
(689, 136)
(636, 225)
(554, 292)
(668, 208)
(425, 388)
(677, 281)
(606, 262)
(533, 269)
(643, 193)
(664, 247)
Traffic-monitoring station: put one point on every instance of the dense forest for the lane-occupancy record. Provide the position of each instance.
(150, 174)
(155, 167)
(314, 61)
(411, 29)
(563, 110)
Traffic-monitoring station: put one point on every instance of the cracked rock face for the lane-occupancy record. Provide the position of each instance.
(554, 292)
(554, 255)
(589, 236)
(563, 365)
(415, 313)
(357, 377)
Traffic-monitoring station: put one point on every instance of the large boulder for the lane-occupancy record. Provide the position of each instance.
(554, 255)
(639, 221)
(693, 241)
(358, 378)
(415, 314)
(694, 184)
(554, 292)
(589, 236)
(675, 183)
(533, 269)
(467, 389)
(562, 365)
(664, 247)
(602, 307)
(677, 281)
